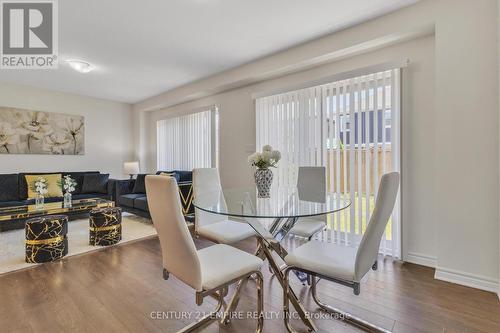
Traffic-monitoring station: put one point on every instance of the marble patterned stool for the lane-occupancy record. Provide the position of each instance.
(105, 226)
(46, 238)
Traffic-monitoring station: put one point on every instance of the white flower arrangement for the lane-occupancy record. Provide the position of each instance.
(41, 186)
(268, 158)
(68, 184)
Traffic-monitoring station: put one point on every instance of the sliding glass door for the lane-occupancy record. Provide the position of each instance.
(352, 127)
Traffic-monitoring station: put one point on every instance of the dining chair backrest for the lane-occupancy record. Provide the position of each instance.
(311, 185)
(206, 181)
(177, 246)
(311, 178)
(370, 243)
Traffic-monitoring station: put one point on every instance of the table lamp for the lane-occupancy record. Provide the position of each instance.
(131, 168)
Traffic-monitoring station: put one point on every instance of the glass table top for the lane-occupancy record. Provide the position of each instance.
(273, 217)
(284, 202)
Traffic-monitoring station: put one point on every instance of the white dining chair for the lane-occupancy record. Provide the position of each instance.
(215, 227)
(310, 181)
(345, 264)
(210, 271)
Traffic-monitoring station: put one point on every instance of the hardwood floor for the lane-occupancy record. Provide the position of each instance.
(118, 290)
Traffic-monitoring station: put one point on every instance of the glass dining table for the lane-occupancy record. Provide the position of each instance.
(272, 218)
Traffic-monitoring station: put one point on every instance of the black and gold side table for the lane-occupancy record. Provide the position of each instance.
(46, 238)
(186, 195)
(105, 226)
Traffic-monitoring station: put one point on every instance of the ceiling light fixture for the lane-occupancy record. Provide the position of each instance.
(80, 66)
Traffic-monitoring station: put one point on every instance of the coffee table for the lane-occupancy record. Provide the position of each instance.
(14, 217)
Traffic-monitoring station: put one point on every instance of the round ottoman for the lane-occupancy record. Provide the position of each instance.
(105, 226)
(46, 238)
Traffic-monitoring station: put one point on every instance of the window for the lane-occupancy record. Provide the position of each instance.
(351, 127)
(188, 142)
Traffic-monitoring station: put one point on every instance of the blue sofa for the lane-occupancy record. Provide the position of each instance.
(131, 196)
(14, 192)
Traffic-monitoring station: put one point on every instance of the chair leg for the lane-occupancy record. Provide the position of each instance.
(260, 302)
(375, 265)
(204, 320)
(309, 276)
(286, 305)
(233, 303)
(356, 288)
(339, 314)
(226, 319)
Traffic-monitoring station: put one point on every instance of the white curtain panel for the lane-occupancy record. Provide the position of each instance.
(352, 127)
(291, 123)
(185, 143)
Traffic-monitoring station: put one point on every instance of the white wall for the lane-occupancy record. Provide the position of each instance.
(460, 176)
(237, 130)
(466, 164)
(108, 131)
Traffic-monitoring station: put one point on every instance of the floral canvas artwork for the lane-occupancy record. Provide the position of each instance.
(37, 132)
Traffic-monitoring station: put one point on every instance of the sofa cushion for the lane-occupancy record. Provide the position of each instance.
(95, 183)
(23, 185)
(78, 177)
(128, 199)
(169, 174)
(141, 203)
(174, 174)
(89, 196)
(140, 184)
(52, 182)
(184, 176)
(9, 187)
(11, 203)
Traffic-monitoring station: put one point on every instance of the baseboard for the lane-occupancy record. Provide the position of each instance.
(466, 279)
(421, 259)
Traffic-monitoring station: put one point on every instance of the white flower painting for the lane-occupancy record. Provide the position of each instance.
(37, 132)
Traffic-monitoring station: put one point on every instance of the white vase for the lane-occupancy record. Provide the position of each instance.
(263, 181)
(39, 201)
(67, 200)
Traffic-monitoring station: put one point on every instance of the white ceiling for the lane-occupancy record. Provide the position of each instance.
(143, 48)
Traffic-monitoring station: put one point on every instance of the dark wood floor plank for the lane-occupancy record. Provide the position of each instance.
(118, 289)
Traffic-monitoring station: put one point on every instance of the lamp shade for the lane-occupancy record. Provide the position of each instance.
(131, 168)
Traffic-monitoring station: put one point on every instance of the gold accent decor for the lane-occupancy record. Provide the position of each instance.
(107, 228)
(44, 241)
(187, 200)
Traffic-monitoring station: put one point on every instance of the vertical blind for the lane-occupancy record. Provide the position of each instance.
(186, 142)
(352, 127)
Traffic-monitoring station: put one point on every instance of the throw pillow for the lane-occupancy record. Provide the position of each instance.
(9, 187)
(53, 185)
(78, 177)
(170, 174)
(95, 183)
(140, 184)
